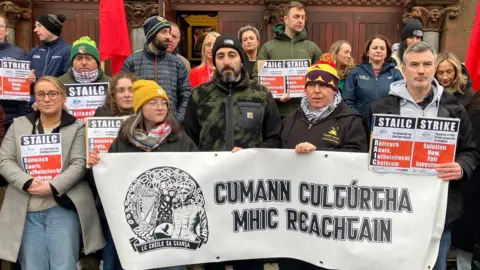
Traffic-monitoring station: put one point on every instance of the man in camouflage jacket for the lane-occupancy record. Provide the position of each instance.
(232, 112)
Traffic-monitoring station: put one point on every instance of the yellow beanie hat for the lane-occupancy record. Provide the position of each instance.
(144, 91)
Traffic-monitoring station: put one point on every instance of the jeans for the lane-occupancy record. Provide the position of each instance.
(51, 240)
(110, 256)
(464, 260)
(444, 250)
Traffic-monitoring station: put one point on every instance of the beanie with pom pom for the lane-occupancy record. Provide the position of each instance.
(53, 23)
(324, 73)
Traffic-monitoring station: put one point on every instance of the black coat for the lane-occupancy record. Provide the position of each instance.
(467, 153)
(342, 130)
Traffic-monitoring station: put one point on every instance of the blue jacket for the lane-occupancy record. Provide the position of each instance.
(50, 58)
(12, 108)
(362, 87)
(11, 52)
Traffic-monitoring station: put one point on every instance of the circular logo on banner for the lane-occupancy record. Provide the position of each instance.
(164, 207)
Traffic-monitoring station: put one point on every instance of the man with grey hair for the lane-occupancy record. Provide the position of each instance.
(420, 95)
(250, 38)
(173, 45)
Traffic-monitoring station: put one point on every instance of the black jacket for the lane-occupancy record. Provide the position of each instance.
(342, 130)
(466, 230)
(467, 153)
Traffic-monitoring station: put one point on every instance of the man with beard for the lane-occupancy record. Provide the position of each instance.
(156, 64)
(232, 112)
(290, 42)
(420, 95)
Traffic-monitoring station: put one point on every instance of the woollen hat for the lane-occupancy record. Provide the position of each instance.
(228, 41)
(85, 45)
(412, 27)
(144, 91)
(53, 23)
(153, 25)
(324, 72)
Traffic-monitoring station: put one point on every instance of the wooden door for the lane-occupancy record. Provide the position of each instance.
(324, 28)
(229, 22)
(369, 24)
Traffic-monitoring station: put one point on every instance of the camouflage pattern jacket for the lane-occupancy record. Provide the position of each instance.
(220, 117)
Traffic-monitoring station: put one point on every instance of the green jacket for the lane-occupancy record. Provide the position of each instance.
(67, 78)
(220, 117)
(284, 47)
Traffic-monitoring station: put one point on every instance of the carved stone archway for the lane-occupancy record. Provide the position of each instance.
(18, 14)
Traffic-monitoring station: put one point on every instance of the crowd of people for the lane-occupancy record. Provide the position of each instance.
(219, 105)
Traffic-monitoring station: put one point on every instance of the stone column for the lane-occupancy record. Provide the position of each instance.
(18, 14)
(136, 15)
(432, 15)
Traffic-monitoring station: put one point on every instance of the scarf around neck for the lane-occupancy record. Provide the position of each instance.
(315, 116)
(86, 76)
(153, 139)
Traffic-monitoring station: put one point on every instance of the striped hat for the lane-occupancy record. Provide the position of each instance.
(324, 72)
(153, 25)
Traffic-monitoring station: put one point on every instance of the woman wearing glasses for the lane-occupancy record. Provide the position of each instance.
(151, 129)
(43, 218)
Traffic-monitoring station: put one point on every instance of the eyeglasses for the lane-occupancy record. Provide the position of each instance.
(52, 95)
(3, 26)
(157, 104)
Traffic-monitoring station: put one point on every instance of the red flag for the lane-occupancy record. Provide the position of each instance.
(472, 61)
(114, 38)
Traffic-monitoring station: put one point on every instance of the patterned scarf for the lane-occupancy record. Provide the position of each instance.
(85, 77)
(154, 138)
(315, 116)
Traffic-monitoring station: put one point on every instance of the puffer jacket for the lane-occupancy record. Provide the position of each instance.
(362, 87)
(168, 71)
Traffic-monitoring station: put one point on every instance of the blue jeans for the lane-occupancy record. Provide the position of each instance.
(444, 250)
(110, 256)
(51, 240)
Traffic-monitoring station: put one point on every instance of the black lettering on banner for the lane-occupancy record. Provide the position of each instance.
(292, 219)
(340, 195)
(405, 203)
(260, 219)
(240, 191)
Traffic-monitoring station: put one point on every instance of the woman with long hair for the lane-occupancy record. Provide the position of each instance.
(454, 77)
(152, 129)
(119, 100)
(43, 216)
(341, 50)
(204, 72)
(371, 79)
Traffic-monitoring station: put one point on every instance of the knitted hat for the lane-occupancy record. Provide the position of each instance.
(228, 41)
(412, 27)
(324, 72)
(144, 91)
(85, 45)
(153, 25)
(53, 23)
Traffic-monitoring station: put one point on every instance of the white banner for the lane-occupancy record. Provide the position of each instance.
(325, 208)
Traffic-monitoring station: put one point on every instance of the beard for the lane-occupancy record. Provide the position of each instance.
(230, 77)
(160, 45)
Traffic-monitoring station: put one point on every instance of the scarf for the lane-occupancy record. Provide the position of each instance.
(85, 77)
(315, 116)
(154, 138)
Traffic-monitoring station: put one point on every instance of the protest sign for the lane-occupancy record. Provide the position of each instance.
(410, 144)
(101, 132)
(14, 83)
(283, 76)
(84, 98)
(187, 208)
(42, 155)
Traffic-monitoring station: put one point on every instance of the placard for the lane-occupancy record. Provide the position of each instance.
(14, 84)
(187, 208)
(410, 144)
(101, 132)
(83, 99)
(283, 76)
(42, 155)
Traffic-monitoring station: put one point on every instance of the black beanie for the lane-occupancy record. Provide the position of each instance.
(412, 27)
(228, 41)
(52, 23)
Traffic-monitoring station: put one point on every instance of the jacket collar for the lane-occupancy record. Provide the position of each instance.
(53, 42)
(65, 120)
(151, 55)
